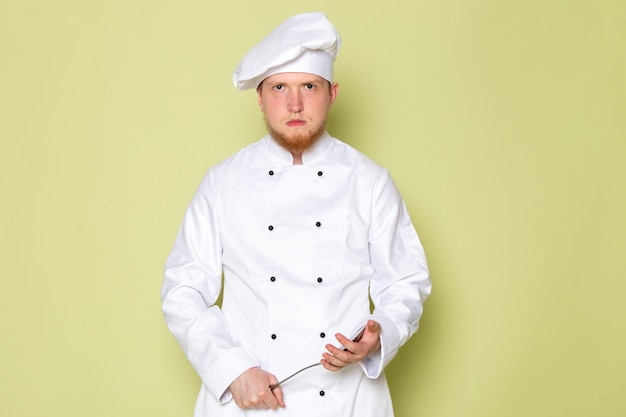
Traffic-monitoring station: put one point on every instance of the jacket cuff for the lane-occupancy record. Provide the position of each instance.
(374, 364)
(224, 371)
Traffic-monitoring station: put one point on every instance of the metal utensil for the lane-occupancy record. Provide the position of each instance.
(294, 374)
(356, 339)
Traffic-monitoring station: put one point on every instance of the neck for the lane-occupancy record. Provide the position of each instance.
(297, 158)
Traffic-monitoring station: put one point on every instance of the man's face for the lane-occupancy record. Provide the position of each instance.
(295, 105)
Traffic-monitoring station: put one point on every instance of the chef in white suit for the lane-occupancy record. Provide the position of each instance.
(305, 231)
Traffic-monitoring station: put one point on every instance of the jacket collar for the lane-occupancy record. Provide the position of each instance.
(279, 154)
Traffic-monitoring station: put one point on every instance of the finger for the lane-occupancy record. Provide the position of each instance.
(254, 402)
(329, 366)
(343, 354)
(343, 340)
(278, 394)
(336, 361)
(263, 400)
(347, 346)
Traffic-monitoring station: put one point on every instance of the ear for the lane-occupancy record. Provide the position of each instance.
(258, 97)
(334, 90)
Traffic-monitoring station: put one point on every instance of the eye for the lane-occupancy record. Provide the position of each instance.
(309, 86)
(278, 87)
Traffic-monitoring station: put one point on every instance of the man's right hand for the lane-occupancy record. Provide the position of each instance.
(251, 389)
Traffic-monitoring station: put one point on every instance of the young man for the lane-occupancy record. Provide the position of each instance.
(304, 229)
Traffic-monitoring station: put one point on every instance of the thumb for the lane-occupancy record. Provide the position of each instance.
(373, 326)
(278, 393)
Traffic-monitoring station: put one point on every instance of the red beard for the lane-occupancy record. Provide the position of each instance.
(297, 143)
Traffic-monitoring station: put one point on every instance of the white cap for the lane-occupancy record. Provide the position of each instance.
(306, 42)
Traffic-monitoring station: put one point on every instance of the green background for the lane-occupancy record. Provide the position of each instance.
(502, 122)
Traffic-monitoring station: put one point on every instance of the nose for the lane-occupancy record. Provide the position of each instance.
(295, 103)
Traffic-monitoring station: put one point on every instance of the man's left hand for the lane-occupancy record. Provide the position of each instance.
(354, 352)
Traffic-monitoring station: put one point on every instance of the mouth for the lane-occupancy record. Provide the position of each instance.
(296, 123)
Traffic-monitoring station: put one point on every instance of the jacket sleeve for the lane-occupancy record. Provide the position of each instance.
(401, 281)
(191, 286)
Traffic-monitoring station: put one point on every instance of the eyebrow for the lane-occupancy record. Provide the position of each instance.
(271, 84)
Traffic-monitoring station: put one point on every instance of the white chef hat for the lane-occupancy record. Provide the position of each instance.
(305, 42)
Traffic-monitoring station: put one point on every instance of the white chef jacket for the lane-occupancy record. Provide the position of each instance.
(301, 249)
